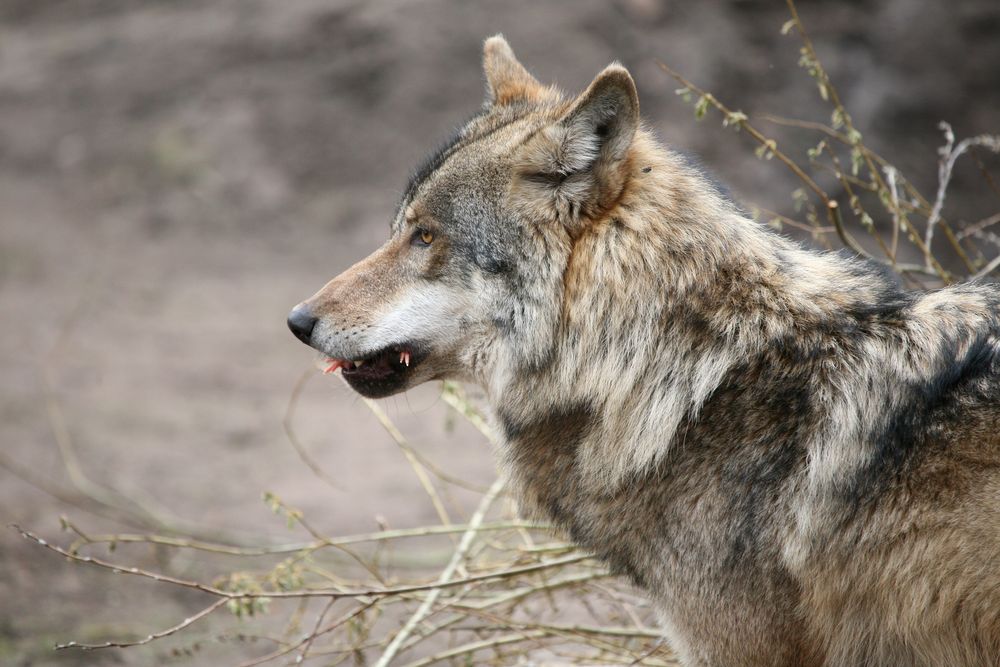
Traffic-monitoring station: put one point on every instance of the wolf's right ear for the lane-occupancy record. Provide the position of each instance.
(577, 167)
(506, 79)
(602, 122)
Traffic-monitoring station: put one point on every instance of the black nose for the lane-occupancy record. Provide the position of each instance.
(301, 321)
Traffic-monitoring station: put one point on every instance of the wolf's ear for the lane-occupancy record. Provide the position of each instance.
(579, 162)
(600, 125)
(506, 79)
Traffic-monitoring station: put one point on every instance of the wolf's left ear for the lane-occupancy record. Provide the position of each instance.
(579, 162)
(506, 79)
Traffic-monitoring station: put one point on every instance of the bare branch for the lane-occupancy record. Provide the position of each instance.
(949, 154)
(446, 575)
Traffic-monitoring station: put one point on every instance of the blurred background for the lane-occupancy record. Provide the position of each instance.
(175, 175)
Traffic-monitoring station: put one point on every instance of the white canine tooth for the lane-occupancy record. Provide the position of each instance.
(359, 362)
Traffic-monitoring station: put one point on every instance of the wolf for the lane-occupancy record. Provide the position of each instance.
(797, 460)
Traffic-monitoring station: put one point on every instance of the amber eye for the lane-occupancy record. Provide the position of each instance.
(425, 237)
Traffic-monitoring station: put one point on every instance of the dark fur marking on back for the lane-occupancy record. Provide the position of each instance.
(755, 422)
(909, 432)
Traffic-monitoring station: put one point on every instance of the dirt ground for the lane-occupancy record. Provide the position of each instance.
(174, 176)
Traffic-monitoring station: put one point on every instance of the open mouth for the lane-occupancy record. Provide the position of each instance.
(380, 374)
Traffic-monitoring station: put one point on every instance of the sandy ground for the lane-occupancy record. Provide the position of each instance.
(174, 176)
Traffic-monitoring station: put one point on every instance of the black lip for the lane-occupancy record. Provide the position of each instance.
(382, 374)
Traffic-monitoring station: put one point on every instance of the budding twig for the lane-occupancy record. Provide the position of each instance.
(295, 547)
(156, 635)
(305, 593)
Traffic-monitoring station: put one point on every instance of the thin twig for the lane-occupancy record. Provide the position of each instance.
(308, 639)
(988, 269)
(311, 637)
(462, 609)
(890, 178)
(149, 638)
(299, 517)
(419, 469)
(454, 397)
(76, 500)
(785, 220)
(292, 436)
(987, 176)
(976, 227)
(473, 647)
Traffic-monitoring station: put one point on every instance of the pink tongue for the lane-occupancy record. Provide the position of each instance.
(334, 365)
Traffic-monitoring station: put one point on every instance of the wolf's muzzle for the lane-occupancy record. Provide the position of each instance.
(302, 322)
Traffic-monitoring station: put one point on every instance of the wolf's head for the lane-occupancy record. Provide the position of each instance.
(471, 281)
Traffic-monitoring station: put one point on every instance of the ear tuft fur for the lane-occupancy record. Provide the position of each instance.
(507, 80)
